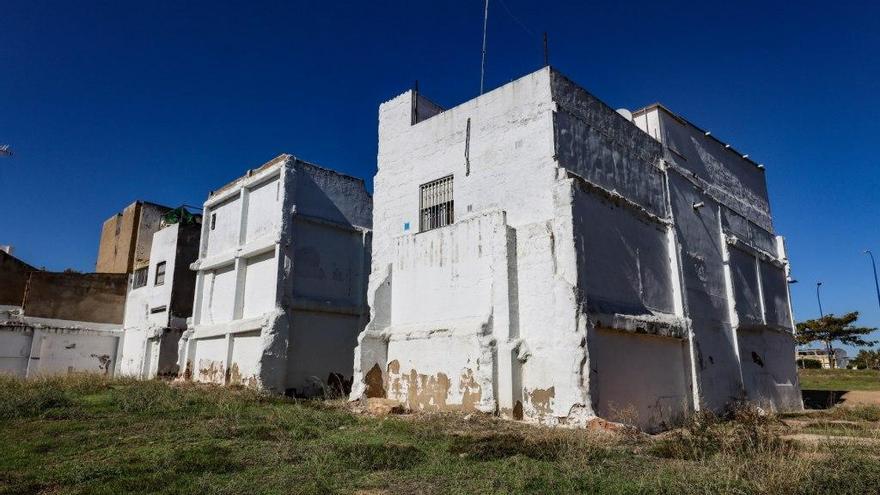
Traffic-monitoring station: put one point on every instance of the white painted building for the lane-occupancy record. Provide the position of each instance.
(539, 255)
(159, 301)
(281, 276)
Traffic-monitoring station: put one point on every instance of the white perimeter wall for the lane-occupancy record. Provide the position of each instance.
(32, 351)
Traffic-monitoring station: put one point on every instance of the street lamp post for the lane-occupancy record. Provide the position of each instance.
(874, 266)
(819, 299)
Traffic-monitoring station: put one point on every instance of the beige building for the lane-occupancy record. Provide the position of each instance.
(126, 237)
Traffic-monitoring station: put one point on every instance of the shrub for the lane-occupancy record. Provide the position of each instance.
(744, 432)
(810, 364)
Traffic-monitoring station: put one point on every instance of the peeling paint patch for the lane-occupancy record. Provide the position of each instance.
(518, 411)
(425, 392)
(471, 391)
(211, 371)
(542, 399)
(234, 377)
(373, 381)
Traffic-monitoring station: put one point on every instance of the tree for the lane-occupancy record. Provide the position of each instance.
(866, 359)
(831, 328)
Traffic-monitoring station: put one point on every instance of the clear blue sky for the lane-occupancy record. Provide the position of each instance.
(108, 102)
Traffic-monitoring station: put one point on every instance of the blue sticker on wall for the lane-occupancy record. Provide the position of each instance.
(405, 226)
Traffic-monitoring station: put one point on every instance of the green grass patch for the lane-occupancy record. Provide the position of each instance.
(838, 379)
(85, 435)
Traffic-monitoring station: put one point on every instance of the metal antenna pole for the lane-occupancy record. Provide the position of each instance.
(483, 63)
(874, 266)
(546, 53)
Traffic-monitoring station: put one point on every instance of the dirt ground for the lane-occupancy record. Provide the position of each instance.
(861, 397)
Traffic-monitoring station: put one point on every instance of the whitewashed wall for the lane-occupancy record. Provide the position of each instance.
(31, 347)
(280, 293)
(611, 274)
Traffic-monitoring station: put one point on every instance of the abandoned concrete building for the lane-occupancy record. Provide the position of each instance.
(540, 255)
(126, 237)
(160, 298)
(281, 279)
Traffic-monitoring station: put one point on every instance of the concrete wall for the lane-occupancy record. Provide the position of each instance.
(280, 290)
(430, 345)
(13, 279)
(733, 267)
(640, 379)
(126, 237)
(93, 297)
(601, 245)
(155, 315)
(33, 347)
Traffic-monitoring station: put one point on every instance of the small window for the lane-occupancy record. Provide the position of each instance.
(436, 207)
(139, 278)
(213, 220)
(160, 274)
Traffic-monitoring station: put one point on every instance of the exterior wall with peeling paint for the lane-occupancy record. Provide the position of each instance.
(156, 313)
(577, 279)
(31, 347)
(281, 277)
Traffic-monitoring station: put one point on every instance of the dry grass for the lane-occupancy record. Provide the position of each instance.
(92, 435)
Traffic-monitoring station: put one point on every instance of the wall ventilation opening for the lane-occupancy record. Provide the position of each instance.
(436, 206)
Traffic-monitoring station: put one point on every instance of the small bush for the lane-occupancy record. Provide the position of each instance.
(744, 432)
(810, 364)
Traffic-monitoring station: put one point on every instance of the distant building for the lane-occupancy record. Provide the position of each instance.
(160, 298)
(820, 355)
(540, 255)
(281, 280)
(126, 237)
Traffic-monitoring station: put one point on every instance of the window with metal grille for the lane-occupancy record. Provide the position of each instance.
(139, 278)
(160, 274)
(436, 204)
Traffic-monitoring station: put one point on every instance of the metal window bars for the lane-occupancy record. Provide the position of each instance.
(436, 206)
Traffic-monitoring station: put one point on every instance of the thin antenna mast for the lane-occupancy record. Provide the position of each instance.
(546, 53)
(483, 64)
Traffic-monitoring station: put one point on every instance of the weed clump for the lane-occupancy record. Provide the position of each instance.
(27, 399)
(862, 412)
(744, 432)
